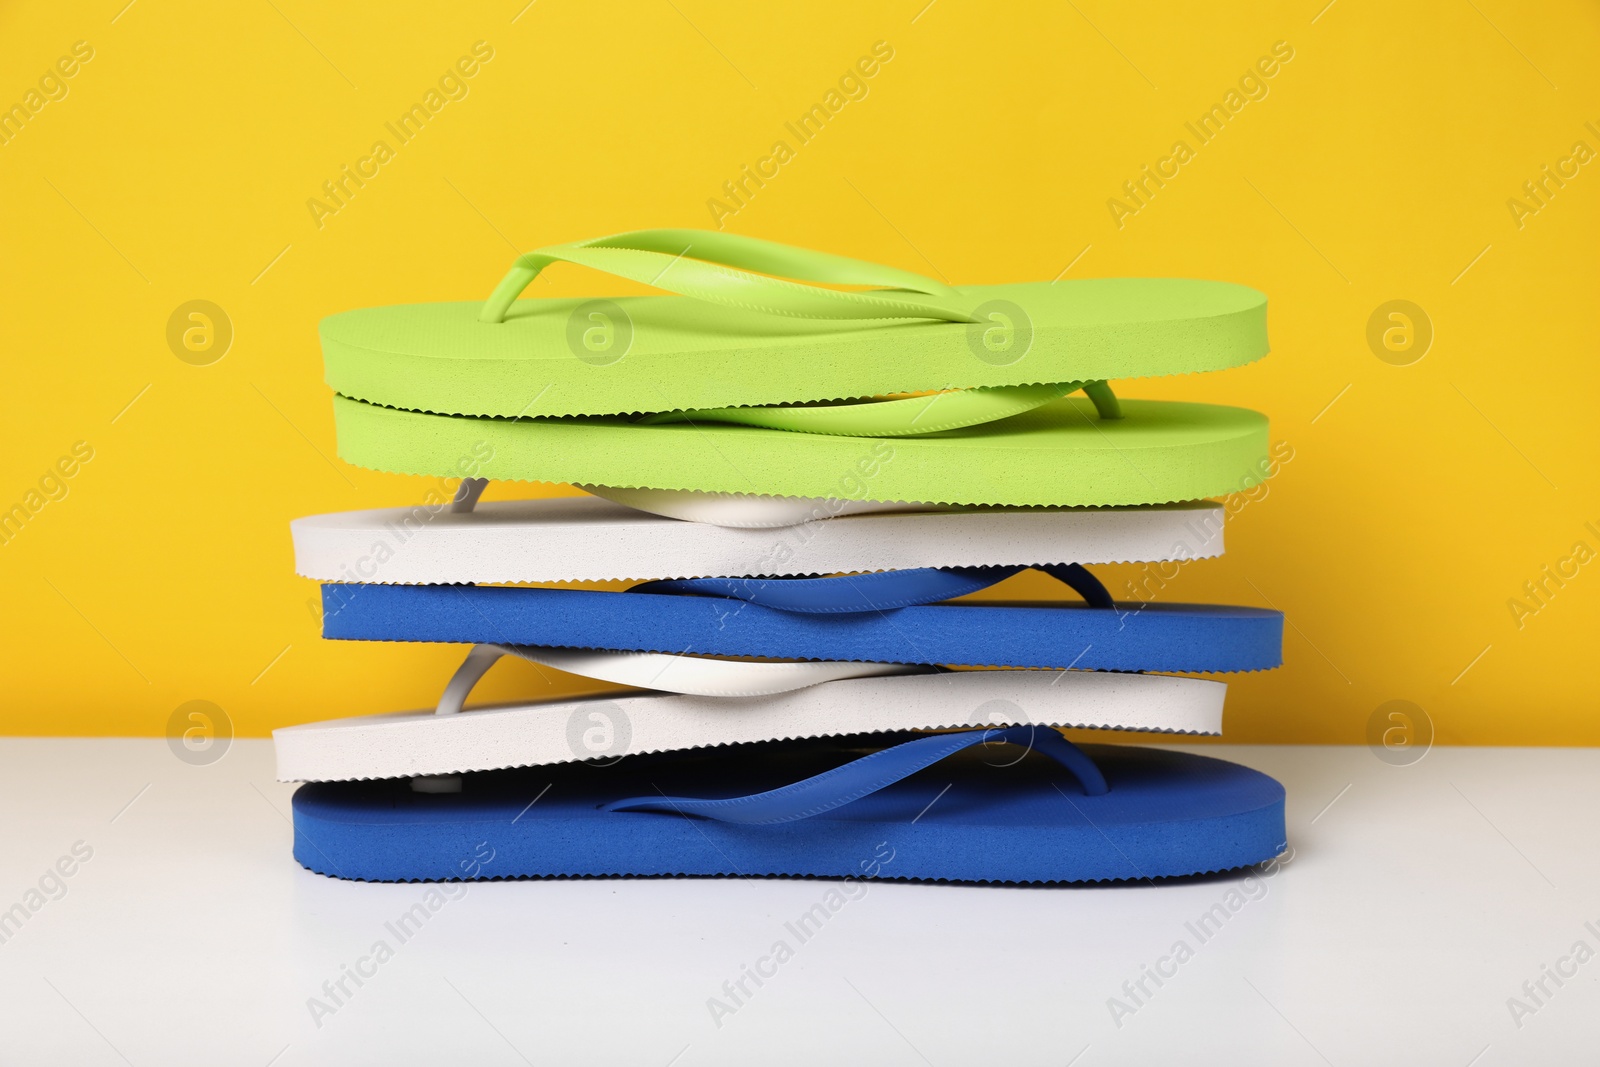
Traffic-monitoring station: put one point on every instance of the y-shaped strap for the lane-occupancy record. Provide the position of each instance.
(696, 675)
(716, 267)
(747, 511)
(838, 787)
(907, 417)
(879, 591)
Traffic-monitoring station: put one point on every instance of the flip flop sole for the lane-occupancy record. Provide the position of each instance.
(1129, 637)
(483, 739)
(587, 539)
(1060, 454)
(671, 353)
(978, 817)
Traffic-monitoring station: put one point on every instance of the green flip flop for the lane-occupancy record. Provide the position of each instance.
(740, 334)
(1062, 453)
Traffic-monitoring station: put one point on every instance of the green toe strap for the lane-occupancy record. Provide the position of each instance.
(910, 416)
(716, 267)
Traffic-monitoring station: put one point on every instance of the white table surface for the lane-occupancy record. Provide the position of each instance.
(1419, 899)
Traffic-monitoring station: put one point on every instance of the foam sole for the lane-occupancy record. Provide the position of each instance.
(1130, 637)
(422, 743)
(976, 817)
(588, 539)
(1060, 454)
(675, 353)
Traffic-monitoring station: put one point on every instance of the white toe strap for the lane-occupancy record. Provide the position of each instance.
(694, 675)
(467, 494)
(742, 510)
(735, 510)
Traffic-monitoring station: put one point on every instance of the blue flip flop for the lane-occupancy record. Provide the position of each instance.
(892, 617)
(961, 807)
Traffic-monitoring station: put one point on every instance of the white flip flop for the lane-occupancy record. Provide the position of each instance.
(795, 700)
(591, 539)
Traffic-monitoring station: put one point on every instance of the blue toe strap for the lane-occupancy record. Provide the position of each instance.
(880, 591)
(840, 786)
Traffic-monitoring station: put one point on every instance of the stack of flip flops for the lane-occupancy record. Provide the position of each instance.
(799, 485)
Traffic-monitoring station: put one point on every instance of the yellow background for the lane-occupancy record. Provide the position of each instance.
(1419, 500)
